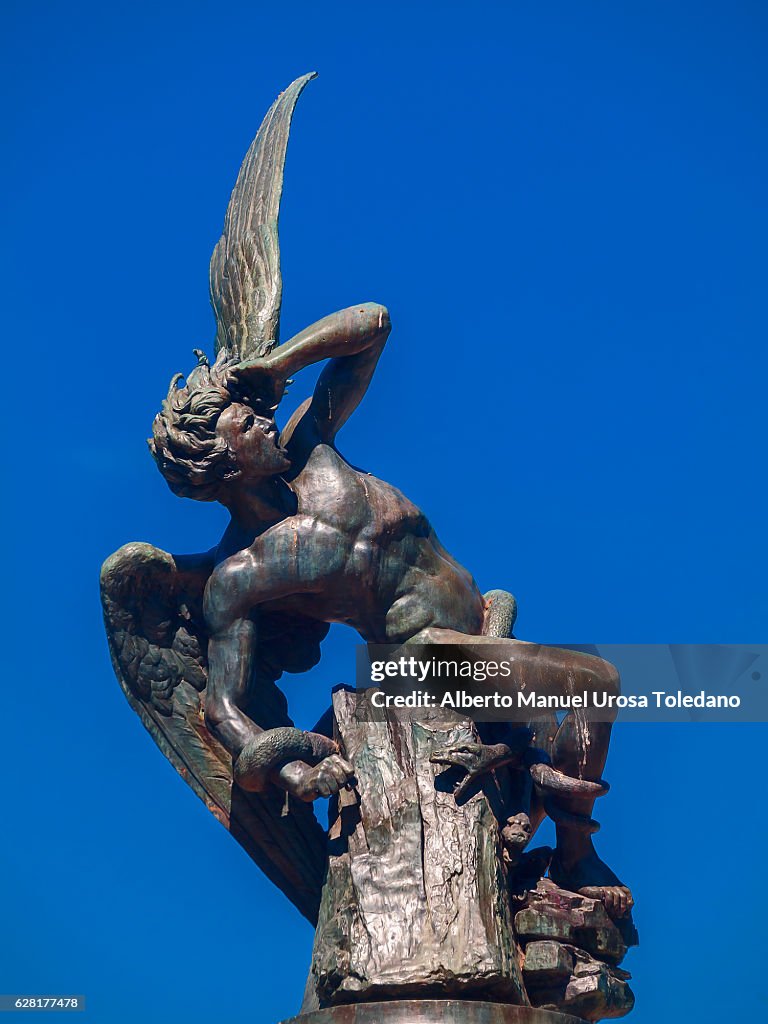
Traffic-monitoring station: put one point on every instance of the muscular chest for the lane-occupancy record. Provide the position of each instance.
(364, 510)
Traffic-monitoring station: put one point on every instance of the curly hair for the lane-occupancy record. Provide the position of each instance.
(184, 444)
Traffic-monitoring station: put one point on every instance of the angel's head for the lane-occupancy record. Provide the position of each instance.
(209, 434)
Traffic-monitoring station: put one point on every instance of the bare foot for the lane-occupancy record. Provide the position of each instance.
(589, 876)
(617, 899)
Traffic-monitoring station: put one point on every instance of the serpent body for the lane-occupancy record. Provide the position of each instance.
(272, 749)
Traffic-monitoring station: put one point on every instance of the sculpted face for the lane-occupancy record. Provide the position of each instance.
(254, 440)
(517, 831)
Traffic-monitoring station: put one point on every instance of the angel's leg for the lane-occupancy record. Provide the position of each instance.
(579, 749)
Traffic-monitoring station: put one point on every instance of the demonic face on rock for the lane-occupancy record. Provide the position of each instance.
(517, 831)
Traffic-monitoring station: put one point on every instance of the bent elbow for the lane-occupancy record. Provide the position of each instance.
(610, 679)
(372, 319)
(213, 716)
(218, 715)
(384, 323)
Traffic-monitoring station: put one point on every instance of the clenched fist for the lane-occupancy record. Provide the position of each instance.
(332, 774)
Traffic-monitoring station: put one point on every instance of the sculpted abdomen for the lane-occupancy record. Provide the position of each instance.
(377, 556)
(311, 550)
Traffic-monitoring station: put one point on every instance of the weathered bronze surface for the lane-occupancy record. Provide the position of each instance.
(434, 1011)
(416, 898)
(424, 886)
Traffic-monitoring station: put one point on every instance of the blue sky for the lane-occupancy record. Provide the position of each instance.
(564, 207)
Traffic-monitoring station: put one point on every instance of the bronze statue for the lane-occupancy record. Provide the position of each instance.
(199, 641)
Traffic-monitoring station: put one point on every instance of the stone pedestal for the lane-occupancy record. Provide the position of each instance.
(433, 1011)
(422, 913)
(415, 901)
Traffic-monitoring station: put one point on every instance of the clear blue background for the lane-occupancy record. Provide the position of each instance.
(564, 207)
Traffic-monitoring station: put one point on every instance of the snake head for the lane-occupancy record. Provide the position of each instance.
(464, 755)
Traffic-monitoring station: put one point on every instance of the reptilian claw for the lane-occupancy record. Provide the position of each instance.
(475, 758)
(461, 755)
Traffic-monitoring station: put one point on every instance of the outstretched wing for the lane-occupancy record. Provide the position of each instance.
(153, 614)
(245, 281)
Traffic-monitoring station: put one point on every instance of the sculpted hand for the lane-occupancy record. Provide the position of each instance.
(262, 379)
(332, 774)
(307, 764)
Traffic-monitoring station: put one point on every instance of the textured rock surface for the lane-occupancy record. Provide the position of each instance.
(553, 913)
(415, 897)
(572, 949)
(597, 991)
(547, 963)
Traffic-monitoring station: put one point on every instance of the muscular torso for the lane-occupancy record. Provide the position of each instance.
(361, 553)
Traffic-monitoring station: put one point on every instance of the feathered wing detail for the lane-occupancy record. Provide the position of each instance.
(152, 605)
(246, 286)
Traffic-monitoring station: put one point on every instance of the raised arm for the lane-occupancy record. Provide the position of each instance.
(352, 339)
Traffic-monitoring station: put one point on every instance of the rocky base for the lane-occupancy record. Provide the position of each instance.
(572, 952)
(430, 901)
(415, 903)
